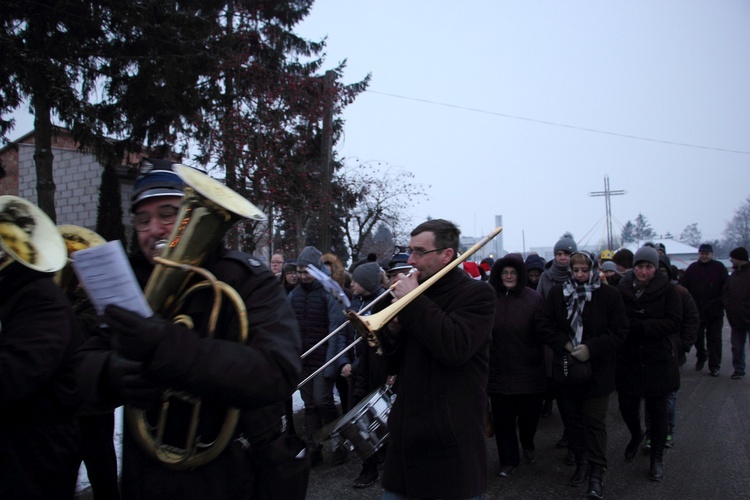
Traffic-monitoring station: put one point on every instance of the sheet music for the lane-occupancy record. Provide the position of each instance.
(105, 273)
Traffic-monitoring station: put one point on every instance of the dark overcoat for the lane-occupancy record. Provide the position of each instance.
(437, 446)
(256, 378)
(648, 360)
(605, 328)
(39, 440)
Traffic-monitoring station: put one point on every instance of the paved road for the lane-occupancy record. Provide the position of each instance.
(710, 459)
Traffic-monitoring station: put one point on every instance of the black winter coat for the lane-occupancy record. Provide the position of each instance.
(648, 361)
(737, 298)
(705, 282)
(256, 378)
(39, 438)
(369, 368)
(517, 363)
(605, 328)
(437, 443)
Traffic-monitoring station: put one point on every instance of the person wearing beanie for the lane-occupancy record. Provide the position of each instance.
(369, 370)
(609, 271)
(517, 379)
(736, 296)
(288, 276)
(558, 272)
(149, 354)
(688, 333)
(534, 268)
(586, 319)
(318, 313)
(705, 280)
(647, 362)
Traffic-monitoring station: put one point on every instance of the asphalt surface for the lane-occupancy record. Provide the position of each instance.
(710, 458)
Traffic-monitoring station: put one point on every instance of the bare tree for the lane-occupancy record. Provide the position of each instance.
(691, 235)
(737, 232)
(381, 195)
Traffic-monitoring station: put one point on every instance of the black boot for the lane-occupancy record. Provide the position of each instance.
(632, 449)
(596, 482)
(656, 473)
(580, 475)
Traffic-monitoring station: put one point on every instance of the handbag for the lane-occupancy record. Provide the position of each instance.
(568, 370)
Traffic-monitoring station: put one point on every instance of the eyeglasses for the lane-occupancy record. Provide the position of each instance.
(165, 215)
(509, 273)
(422, 253)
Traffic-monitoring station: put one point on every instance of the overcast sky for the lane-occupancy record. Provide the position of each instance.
(520, 108)
(518, 90)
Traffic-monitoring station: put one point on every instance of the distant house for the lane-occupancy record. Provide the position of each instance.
(681, 254)
(77, 177)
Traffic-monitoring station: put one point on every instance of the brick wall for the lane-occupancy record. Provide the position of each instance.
(77, 177)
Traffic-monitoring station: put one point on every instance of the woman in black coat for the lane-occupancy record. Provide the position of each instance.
(517, 378)
(586, 318)
(647, 363)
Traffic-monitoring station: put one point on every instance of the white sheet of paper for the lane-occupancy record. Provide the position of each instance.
(105, 274)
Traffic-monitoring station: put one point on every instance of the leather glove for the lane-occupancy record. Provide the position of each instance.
(581, 353)
(126, 383)
(134, 336)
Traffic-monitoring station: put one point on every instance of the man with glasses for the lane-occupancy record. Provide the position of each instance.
(440, 351)
(147, 355)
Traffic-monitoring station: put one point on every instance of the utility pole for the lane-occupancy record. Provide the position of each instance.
(607, 193)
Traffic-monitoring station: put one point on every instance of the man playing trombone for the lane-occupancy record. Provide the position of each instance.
(440, 351)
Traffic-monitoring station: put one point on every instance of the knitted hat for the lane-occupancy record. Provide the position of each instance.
(608, 265)
(623, 257)
(534, 262)
(739, 253)
(705, 247)
(566, 244)
(666, 264)
(157, 180)
(309, 256)
(646, 254)
(367, 276)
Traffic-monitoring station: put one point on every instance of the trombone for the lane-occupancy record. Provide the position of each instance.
(368, 325)
(388, 292)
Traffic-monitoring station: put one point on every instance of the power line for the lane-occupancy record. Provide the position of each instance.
(563, 125)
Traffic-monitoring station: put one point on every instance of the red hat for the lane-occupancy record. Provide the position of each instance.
(473, 269)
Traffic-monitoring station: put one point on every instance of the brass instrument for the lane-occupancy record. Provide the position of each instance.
(75, 238)
(28, 236)
(367, 325)
(209, 209)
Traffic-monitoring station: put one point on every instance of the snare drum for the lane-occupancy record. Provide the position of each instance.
(364, 429)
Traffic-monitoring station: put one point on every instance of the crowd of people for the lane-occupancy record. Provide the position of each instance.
(474, 350)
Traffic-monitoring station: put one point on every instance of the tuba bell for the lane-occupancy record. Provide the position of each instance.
(75, 238)
(209, 209)
(28, 236)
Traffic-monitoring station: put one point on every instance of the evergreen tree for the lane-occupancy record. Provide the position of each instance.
(737, 231)
(691, 235)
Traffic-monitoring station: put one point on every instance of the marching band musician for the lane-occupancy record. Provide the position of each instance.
(146, 355)
(437, 443)
(38, 434)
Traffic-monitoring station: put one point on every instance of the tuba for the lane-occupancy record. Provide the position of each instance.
(28, 236)
(75, 238)
(209, 209)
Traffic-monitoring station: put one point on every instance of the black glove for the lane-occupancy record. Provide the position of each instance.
(134, 336)
(126, 383)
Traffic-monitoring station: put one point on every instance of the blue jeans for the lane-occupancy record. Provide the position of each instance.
(739, 340)
(671, 406)
(389, 495)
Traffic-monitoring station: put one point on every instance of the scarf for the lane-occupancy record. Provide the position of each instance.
(557, 274)
(577, 294)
